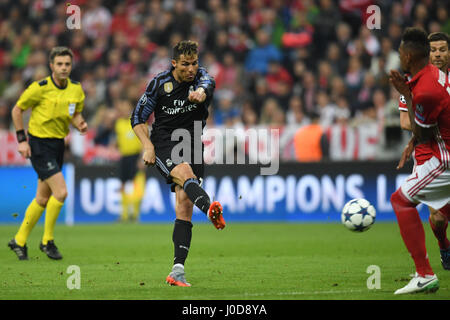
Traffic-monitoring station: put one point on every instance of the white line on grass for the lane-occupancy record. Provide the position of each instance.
(291, 293)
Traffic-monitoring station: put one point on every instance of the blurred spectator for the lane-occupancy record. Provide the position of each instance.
(249, 116)
(295, 115)
(304, 56)
(334, 57)
(309, 92)
(182, 17)
(326, 21)
(259, 56)
(326, 109)
(160, 62)
(276, 77)
(226, 113)
(365, 94)
(310, 142)
(261, 94)
(270, 114)
(96, 20)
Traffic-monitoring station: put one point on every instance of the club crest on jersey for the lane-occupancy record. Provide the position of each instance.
(168, 87)
(72, 108)
(419, 108)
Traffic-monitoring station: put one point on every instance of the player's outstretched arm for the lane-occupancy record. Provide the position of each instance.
(148, 150)
(17, 117)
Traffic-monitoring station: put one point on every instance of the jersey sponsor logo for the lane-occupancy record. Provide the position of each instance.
(72, 108)
(177, 110)
(168, 87)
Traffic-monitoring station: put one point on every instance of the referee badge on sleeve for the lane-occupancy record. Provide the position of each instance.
(72, 108)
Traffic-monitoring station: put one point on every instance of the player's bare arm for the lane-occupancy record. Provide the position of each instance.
(79, 123)
(405, 124)
(148, 150)
(399, 83)
(17, 117)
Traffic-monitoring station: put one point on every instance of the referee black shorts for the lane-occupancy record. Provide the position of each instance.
(128, 167)
(47, 155)
(165, 163)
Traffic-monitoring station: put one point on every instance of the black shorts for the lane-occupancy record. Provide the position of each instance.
(128, 167)
(165, 163)
(47, 155)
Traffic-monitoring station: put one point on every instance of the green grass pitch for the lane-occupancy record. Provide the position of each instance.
(245, 261)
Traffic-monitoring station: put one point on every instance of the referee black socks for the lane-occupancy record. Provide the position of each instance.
(196, 194)
(182, 235)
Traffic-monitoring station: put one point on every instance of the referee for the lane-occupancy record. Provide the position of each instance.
(55, 102)
(179, 97)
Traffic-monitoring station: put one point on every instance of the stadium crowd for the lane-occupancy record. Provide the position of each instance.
(276, 63)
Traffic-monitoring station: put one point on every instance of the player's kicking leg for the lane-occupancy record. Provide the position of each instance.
(215, 215)
(183, 175)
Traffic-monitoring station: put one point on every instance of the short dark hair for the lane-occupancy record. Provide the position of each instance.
(439, 36)
(416, 39)
(60, 51)
(186, 48)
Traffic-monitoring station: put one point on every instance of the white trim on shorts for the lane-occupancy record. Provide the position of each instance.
(429, 183)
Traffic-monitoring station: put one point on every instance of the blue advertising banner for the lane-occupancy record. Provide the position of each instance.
(17, 188)
(299, 192)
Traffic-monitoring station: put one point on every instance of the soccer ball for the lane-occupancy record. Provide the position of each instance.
(358, 215)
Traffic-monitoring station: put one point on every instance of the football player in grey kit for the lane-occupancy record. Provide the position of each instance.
(179, 98)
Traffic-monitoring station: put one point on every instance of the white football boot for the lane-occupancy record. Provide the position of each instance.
(429, 283)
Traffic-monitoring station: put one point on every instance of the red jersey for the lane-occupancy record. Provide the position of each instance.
(402, 106)
(430, 90)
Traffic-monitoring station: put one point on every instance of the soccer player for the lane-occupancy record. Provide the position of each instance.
(55, 102)
(130, 169)
(427, 95)
(439, 56)
(179, 97)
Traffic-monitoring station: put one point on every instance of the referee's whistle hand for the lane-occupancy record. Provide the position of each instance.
(82, 127)
(24, 149)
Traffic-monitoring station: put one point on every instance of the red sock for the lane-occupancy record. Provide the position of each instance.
(412, 232)
(440, 232)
